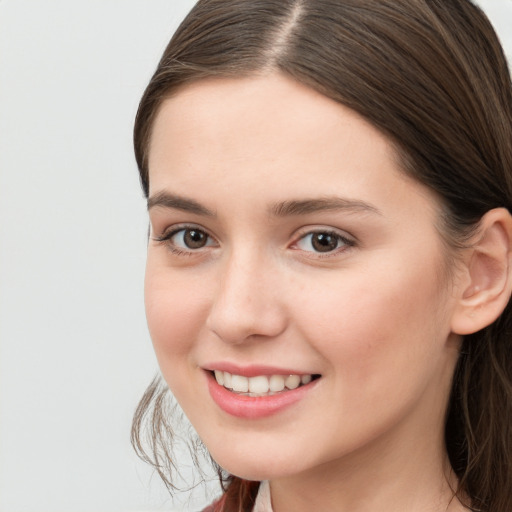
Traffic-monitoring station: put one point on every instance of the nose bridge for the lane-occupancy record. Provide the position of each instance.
(247, 302)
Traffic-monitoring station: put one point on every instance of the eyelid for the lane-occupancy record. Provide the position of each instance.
(348, 240)
(168, 233)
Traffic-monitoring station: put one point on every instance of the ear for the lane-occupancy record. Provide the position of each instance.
(486, 282)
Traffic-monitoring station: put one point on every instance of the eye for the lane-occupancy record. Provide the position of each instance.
(190, 238)
(186, 239)
(322, 242)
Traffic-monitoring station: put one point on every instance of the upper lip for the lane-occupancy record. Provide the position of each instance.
(254, 370)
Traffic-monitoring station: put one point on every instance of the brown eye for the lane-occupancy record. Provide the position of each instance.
(189, 239)
(194, 239)
(323, 241)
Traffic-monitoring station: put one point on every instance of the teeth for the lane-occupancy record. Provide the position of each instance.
(276, 383)
(292, 381)
(262, 384)
(240, 383)
(305, 379)
(258, 384)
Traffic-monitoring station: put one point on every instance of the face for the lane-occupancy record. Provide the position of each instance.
(290, 257)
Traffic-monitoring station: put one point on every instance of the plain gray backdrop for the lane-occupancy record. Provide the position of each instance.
(75, 355)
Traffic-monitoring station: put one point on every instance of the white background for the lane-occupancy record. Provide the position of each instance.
(75, 355)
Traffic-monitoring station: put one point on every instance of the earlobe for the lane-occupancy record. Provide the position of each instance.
(488, 281)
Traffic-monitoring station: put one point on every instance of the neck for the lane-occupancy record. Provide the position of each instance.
(398, 475)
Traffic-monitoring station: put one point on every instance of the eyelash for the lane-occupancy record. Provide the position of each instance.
(347, 243)
(166, 237)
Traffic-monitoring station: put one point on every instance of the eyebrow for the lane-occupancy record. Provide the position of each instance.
(168, 200)
(281, 209)
(306, 206)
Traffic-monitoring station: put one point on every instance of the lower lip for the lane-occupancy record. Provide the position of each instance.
(248, 407)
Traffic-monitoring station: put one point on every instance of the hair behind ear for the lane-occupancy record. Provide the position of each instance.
(479, 419)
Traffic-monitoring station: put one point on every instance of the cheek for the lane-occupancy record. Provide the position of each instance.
(378, 326)
(176, 312)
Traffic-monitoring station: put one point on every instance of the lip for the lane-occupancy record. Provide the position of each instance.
(247, 407)
(252, 370)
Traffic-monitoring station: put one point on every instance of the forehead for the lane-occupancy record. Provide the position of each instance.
(270, 137)
(257, 118)
(225, 103)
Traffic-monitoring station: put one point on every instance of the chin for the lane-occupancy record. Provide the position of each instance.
(249, 467)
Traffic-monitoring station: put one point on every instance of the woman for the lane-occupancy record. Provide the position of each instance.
(328, 275)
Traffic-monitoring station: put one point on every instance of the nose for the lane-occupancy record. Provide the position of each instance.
(247, 303)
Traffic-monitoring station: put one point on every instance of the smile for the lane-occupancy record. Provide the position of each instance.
(261, 385)
(261, 394)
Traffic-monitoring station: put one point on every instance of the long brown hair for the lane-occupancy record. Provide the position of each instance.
(432, 76)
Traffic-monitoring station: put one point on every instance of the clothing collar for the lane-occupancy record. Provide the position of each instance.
(263, 502)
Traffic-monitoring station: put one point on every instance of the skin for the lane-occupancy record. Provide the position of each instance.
(372, 317)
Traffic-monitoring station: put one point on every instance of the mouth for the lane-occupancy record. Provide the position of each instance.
(261, 385)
